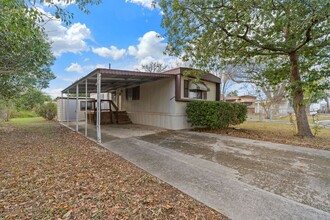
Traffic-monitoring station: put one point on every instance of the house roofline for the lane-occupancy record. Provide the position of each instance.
(165, 74)
(115, 72)
(206, 75)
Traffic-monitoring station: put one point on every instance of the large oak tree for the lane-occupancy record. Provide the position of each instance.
(236, 31)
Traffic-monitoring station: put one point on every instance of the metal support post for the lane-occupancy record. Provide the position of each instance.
(77, 107)
(86, 90)
(98, 110)
(61, 114)
(67, 107)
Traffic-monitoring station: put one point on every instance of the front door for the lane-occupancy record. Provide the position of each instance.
(71, 108)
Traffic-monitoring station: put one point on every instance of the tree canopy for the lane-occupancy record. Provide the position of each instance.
(31, 99)
(25, 53)
(213, 34)
(23, 44)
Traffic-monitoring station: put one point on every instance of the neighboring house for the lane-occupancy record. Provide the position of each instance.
(248, 100)
(323, 107)
(282, 108)
(156, 99)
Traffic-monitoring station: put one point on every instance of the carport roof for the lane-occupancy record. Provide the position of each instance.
(112, 79)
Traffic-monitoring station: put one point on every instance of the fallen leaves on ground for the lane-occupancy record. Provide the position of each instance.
(50, 172)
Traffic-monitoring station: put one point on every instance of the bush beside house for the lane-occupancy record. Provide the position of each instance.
(214, 114)
(48, 110)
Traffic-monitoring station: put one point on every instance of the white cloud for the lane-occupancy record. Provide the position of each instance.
(175, 62)
(170, 62)
(66, 40)
(149, 59)
(75, 67)
(92, 67)
(145, 61)
(60, 3)
(53, 92)
(144, 3)
(112, 52)
(150, 44)
(68, 79)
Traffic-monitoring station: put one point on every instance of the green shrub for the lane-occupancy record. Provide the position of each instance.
(214, 114)
(47, 110)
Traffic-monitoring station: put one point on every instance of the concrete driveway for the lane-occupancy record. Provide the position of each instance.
(241, 178)
(325, 123)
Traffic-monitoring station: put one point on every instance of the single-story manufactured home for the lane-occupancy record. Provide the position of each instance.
(156, 99)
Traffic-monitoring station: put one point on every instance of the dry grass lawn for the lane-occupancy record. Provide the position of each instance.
(278, 133)
(50, 172)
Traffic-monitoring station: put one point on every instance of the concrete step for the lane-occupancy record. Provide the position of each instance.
(122, 117)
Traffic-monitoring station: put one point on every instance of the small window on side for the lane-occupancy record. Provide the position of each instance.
(186, 88)
(83, 105)
(136, 93)
(133, 93)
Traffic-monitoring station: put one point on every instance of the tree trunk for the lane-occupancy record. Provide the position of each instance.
(298, 98)
(308, 106)
(8, 110)
(267, 112)
(266, 106)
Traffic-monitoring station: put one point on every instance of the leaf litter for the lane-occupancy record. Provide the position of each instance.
(50, 172)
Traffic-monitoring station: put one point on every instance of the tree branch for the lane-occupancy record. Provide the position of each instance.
(243, 37)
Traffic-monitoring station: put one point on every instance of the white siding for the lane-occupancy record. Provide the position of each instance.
(157, 105)
(157, 96)
(60, 109)
(61, 112)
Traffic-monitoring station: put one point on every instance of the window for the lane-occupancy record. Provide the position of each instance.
(198, 91)
(83, 105)
(186, 88)
(136, 93)
(129, 94)
(198, 94)
(133, 93)
(205, 95)
(105, 104)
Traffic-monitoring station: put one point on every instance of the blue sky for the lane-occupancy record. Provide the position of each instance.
(123, 33)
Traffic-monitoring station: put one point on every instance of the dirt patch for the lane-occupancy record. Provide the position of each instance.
(48, 171)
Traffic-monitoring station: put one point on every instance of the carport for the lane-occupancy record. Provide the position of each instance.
(100, 81)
